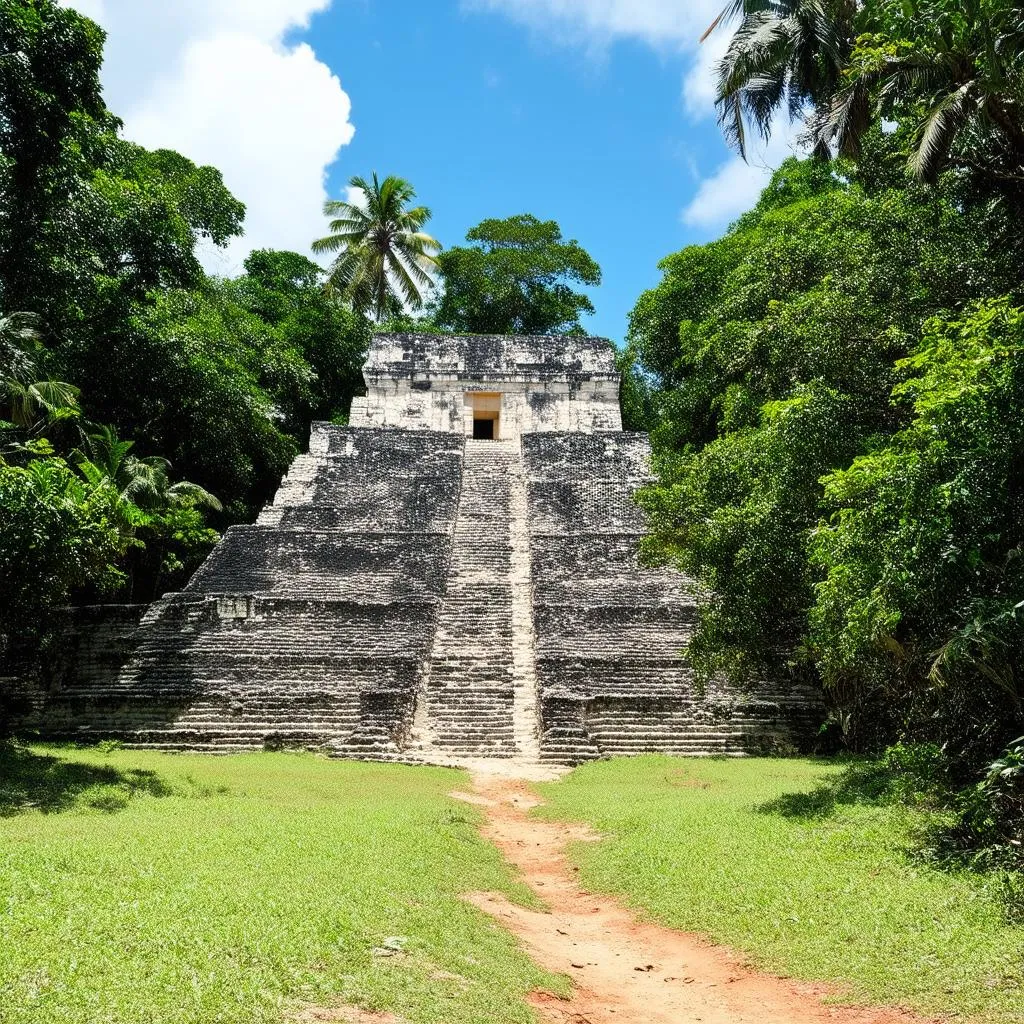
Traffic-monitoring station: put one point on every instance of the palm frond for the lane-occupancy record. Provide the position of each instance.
(731, 11)
(32, 401)
(53, 395)
(937, 132)
(21, 328)
(410, 260)
(187, 492)
(753, 77)
(847, 118)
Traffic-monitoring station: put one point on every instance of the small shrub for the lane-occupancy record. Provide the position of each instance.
(1004, 783)
(987, 826)
(907, 773)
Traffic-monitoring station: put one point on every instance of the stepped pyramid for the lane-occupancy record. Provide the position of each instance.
(452, 576)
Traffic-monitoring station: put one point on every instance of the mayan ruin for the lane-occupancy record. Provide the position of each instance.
(453, 575)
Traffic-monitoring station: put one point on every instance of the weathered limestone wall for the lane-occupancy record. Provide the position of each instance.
(310, 628)
(427, 382)
(443, 405)
(610, 631)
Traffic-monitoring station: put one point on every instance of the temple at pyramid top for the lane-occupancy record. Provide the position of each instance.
(490, 387)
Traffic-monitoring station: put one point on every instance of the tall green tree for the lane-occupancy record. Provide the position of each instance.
(200, 380)
(776, 348)
(385, 259)
(919, 603)
(517, 278)
(50, 108)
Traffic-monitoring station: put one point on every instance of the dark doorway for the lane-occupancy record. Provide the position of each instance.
(483, 430)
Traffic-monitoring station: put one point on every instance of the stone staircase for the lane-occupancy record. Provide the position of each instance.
(480, 698)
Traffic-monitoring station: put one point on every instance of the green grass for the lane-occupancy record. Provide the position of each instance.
(829, 896)
(144, 888)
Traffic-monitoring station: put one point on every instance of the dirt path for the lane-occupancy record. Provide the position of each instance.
(627, 971)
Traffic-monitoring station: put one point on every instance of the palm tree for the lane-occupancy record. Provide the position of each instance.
(787, 53)
(29, 403)
(385, 260)
(142, 482)
(962, 81)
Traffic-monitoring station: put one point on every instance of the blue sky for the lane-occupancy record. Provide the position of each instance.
(594, 113)
(505, 121)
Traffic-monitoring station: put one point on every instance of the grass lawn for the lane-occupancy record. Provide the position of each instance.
(145, 888)
(830, 896)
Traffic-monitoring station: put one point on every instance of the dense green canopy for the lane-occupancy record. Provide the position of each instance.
(516, 279)
(108, 318)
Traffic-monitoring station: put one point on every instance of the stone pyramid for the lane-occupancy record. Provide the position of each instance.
(454, 575)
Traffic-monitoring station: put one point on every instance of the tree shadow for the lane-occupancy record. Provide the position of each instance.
(818, 803)
(41, 782)
(860, 782)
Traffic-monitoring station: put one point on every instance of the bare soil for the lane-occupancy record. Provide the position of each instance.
(345, 1014)
(625, 970)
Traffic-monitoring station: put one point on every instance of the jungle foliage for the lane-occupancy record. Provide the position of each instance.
(142, 402)
(839, 381)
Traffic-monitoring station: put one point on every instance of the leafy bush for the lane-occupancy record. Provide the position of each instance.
(56, 534)
(905, 773)
(987, 827)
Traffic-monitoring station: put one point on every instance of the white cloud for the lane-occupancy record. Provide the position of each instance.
(699, 84)
(658, 22)
(734, 187)
(665, 25)
(218, 81)
(662, 24)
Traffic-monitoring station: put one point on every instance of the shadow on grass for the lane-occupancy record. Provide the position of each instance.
(860, 782)
(31, 781)
(818, 803)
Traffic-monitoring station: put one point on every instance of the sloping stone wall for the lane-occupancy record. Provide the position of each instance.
(610, 631)
(310, 628)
